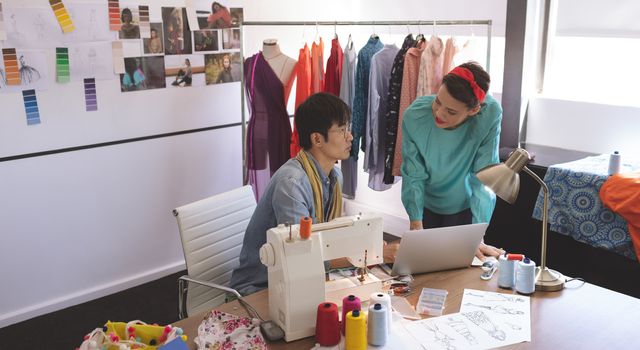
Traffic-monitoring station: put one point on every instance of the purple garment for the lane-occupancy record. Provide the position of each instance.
(269, 129)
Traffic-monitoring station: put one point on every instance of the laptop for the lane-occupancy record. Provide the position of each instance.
(438, 249)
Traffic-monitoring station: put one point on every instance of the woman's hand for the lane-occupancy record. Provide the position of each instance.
(485, 250)
(415, 225)
(389, 251)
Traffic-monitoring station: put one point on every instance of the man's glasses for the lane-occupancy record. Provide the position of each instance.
(345, 130)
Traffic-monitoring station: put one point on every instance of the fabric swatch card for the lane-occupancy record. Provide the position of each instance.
(118, 57)
(145, 25)
(62, 15)
(3, 33)
(192, 16)
(11, 70)
(114, 15)
(31, 106)
(62, 65)
(90, 98)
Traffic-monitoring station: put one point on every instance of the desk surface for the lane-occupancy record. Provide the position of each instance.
(582, 315)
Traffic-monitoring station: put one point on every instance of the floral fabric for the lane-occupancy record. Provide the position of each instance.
(221, 331)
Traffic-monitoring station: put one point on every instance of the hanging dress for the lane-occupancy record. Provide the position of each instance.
(269, 130)
(303, 91)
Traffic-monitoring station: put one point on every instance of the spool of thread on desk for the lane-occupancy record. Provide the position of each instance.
(377, 325)
(506, 272)
(305, 227)
(614, 163)
(327, 325)
(356, 331)
(526, 276)
(349, 303)
(385, 300)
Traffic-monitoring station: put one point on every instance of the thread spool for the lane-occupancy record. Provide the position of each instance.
(526, 276)
(305, 227)
(349, 303)
(356, 331)
(506, 272)
(327, 324)
(614, 163)
(385, 300)
(378, 324)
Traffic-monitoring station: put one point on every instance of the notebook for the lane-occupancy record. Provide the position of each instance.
(438, 249)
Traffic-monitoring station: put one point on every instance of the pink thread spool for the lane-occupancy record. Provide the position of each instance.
(349, 303)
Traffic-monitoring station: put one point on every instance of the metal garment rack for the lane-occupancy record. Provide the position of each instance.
(433, 23)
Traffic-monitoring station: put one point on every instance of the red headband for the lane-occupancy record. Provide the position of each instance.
(466, 74)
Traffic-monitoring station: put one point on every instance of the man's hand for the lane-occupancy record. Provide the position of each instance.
(485, 250)
(415, 225)
(389, 251)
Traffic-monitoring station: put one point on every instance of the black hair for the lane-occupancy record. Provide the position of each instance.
(127, 11)
(461, 89)
(318, 113)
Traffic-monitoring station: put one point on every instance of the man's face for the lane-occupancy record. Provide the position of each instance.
(337, 145)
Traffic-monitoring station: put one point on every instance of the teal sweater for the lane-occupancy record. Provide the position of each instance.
(439, 166)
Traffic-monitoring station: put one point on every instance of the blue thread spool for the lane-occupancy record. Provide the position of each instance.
(526, 276)
(506, 272)
(378, 326)
(614, 163)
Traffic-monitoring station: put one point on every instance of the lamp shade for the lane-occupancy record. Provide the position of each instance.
(503, 178)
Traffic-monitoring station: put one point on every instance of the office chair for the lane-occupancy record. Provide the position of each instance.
(211, 230)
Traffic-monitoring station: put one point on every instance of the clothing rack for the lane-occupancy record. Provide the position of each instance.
(433, 23)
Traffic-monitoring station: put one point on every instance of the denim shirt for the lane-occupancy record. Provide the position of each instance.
(287, 198)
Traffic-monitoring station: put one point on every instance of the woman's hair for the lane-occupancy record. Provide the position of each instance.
(461, 89)
(126, 11)
(186, 60)
(213, 6)
(317, 114)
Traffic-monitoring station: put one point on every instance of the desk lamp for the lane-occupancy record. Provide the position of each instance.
(503, 179)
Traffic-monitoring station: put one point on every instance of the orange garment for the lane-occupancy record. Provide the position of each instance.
(621, 194)
(450, 50)
(303, 90)
(317, 66)
(407, 96)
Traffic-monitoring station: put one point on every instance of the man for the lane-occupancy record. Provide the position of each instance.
(307, 185)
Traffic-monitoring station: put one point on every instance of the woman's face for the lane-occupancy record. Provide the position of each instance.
(154, 34)
(226, 63)
(126, 17)
(449, 113)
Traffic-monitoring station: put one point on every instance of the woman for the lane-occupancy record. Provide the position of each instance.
(184, 74)
(220, 17)
(225, 75)
(128, 30)
(154, 44)
(447, 138)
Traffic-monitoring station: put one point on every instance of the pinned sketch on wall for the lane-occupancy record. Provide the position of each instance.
(230, 39)
(92, 60)
(3, 33)
(184, 70)
(205, 40)
(63, 17)
(143, 73)
(154, 44)
(177, 36)
(129, 28)
(25, 69)
(31, 106)
(114, 15)
(222, 68)
(92, 21)
(145, 28)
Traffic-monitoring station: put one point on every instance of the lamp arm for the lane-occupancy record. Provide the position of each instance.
(545, 205)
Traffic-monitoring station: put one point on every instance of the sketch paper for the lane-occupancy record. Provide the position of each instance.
(32, 70)
(92, 22)
(93, 60)
(90, 97)
(65, 21)
(3, 33)
(31, 107)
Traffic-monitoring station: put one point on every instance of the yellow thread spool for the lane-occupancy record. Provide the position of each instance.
(356, 331)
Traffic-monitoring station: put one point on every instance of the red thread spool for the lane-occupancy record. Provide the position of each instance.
(327, 325)
(305, 227)
(349, 303)
(519, 257)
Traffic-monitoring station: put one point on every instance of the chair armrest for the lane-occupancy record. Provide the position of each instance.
(182, 292)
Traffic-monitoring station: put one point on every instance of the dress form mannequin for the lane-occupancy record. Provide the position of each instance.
(282, 65)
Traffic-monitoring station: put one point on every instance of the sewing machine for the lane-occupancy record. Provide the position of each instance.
(297, 274)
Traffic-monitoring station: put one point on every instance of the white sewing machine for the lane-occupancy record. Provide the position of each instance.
(296, 268)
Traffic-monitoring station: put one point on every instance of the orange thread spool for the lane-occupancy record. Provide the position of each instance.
(305, 227)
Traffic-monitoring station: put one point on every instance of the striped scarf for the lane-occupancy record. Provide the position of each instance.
(309, 167)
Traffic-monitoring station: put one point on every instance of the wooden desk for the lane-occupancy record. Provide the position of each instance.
(581, 316)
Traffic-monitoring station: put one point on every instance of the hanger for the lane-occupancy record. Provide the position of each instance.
(317, 34)
(350, 42)
(335, 31)
(434, 29)
(419, 37)
(374, 35)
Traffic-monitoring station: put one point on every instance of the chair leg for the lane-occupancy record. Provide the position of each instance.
(182, 298)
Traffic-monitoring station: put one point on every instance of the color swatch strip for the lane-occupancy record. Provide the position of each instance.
(62, 65)
(62, 15)
(118, 57)
(90, 97)
(114, 15)
(11, 70)
(3, 33)
(31, 106)
(145, 25)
